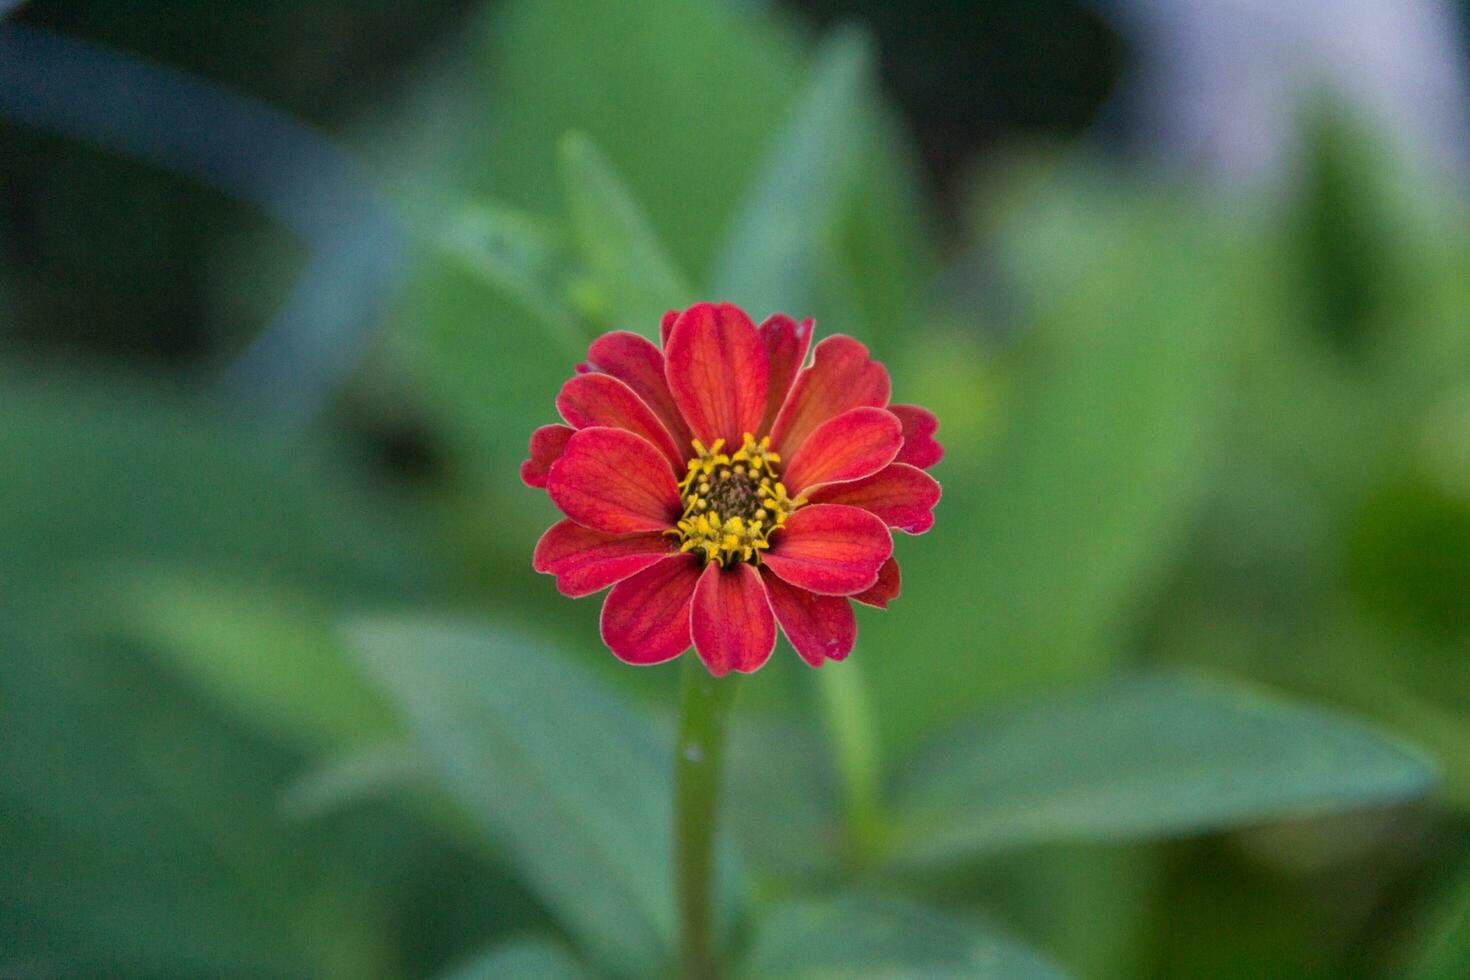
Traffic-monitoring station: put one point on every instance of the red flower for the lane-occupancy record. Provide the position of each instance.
(720, 487)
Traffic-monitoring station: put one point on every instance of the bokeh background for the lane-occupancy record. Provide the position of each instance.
(284, 288)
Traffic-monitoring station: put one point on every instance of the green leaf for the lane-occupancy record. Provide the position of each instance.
(1142, 757)
(391, 770)
(1444, 935)
(138, 824)
(681, 96)
(1072, 465)
(516, 254)
(1092, 907)
(633, 279)
(486, 370)
(772, 258)
(526, 959)
(857, 938)
(129, 467)
(485, 330)
(888, 241)
(271, 654)
(379, 770)
(138, 834)
(779, 800)
(572, 786)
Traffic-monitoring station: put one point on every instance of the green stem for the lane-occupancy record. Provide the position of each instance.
(849, 717)
(701, 750)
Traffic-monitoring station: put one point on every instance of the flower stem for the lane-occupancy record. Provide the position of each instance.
(706, 706)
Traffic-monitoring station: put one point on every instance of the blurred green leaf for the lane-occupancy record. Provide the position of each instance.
(485, 327)
(515, 254)
(1092, 906)
(1416, 689)
(271, 655)
(1351, 252)
(128, 468)
(526, 959)
(859, 937)
(1445, 935)
(780, 800)
(486, 371)
(1072, 465)
(138, 825)
(349, 777)
(888, 240)
(680, 95)
(139, 837)
(771, 260)
(572, 786)
(633, 279)
(1148, 756)
(394, 771)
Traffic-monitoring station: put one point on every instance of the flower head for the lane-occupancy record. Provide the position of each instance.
(722, 485)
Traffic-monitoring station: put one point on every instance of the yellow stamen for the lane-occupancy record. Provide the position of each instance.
(746, 486)
(704, 463)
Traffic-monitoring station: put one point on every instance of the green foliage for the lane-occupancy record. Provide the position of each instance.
(135, 833)
(139, 825)
(486, 306)
(531, 959)
(857, 936)
(274, 656)
(680, 96)
(560, 775)
(633, 280)
(1153, 756)
(1058, 520)
(512, 253)
(772, 259)
(133, 469)
(1443, 951)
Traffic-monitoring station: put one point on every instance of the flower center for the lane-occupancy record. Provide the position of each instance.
(732, 502)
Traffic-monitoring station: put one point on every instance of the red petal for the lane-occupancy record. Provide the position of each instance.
(787, 343)
(717, 370)
(666, 327)
(731, 623)
(586, 561)
(842, 376)
(886, 589)
(830, 549)
(645, 619)
(547, 445)
(919, 446)
(613, 481)
(902, 495)
(589, 400)
(820, 627)
(637, 363)
(855, 444)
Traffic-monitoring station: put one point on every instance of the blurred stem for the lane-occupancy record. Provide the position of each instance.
(848, 711)
(697, 767)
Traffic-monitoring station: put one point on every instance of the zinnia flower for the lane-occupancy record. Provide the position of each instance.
(721, 486)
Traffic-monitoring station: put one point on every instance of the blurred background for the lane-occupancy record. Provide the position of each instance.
(285, 287)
